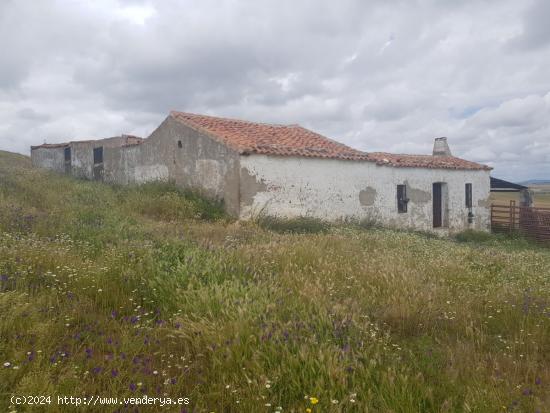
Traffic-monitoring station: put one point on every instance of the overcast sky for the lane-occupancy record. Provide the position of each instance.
(377, 75)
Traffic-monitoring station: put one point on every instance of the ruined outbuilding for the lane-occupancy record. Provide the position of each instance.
(286, 171)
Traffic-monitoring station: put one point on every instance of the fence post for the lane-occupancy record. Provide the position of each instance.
(512, 215)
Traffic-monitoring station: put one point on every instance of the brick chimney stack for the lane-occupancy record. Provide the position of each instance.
(441, 148)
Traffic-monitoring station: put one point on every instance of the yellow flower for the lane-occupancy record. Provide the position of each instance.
(308, 410)
(314, 400)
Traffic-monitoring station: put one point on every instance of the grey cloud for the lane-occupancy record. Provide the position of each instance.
(377, 76)
(535, 31)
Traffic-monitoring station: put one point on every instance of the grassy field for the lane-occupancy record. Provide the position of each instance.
(121, 292)
(541, 199)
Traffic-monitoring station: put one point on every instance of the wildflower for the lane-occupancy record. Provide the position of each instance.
(308, 410)
(114, 372)
(334, 401)
(132, 387)
(314, 400)
(7, 364)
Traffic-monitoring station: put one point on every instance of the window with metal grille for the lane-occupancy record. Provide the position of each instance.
(402, 199)
(98, 155)
(468, 197)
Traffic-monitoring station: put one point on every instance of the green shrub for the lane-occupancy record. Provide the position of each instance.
(471, 235)
(300, 225)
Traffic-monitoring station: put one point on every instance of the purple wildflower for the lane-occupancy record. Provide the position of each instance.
(132, 387)
(114, 372)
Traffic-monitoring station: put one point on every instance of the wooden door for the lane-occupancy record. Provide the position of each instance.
(437, 218)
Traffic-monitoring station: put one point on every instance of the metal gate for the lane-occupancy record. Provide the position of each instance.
(532, 222)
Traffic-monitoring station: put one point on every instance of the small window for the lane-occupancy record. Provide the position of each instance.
(468, 196)
(67, 154)
(402, 199)
(180, 144)
(98, 155)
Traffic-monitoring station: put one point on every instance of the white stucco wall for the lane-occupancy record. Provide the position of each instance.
(336, 189)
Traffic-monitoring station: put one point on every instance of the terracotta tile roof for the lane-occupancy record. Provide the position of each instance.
(293, 140)
(424, 161)
(284, 140)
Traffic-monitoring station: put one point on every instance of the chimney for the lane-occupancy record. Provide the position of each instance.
(441, 148)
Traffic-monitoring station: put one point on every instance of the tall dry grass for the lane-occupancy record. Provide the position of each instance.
(149, 290)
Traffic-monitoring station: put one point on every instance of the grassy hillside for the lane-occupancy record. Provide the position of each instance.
(120, 292)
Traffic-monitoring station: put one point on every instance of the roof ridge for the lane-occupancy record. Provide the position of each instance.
(282, 125)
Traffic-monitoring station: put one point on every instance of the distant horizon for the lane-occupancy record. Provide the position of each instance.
(522, 182)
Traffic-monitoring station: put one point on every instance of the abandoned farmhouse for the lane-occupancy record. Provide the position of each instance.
(286, 171)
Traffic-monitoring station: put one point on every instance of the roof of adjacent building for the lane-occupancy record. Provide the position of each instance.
(500, 185)
(50, 145)
(128, 140)
(293, 140)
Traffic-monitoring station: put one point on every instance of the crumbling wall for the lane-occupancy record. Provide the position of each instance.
(52, 158)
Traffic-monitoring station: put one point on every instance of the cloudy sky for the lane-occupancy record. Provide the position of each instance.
(377, 75)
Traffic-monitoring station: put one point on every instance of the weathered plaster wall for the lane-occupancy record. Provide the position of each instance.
(49, 158)
(178, 153)
(336, 189)
(82, 154)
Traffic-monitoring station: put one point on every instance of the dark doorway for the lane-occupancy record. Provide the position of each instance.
(67, 154)
(98, 155)
(98, 163)
(437, 205)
